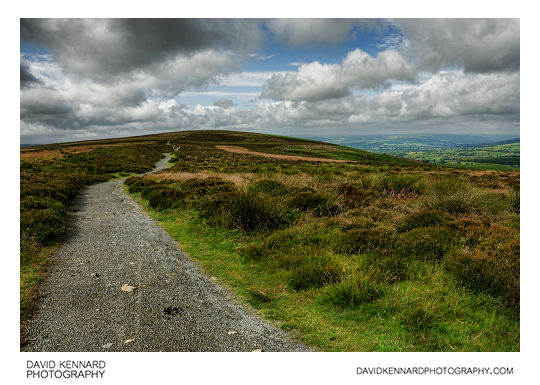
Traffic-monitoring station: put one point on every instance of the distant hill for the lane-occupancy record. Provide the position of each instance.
(398, 144)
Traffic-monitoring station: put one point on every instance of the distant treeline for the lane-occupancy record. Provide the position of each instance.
(508, 160)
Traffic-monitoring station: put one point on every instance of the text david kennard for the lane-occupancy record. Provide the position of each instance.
(65, 369)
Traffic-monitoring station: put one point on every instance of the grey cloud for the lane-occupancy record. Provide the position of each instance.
(27, 78)
(78, 103)
(477, 45)
(223, 103)
(306, 32)
(104, 77)
(99, 47)
(298, 32)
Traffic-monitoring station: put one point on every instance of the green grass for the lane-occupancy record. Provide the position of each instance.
(376, 254)
(430, 314)
(504, 157)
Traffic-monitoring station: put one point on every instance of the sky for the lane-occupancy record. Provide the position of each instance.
(98, 78)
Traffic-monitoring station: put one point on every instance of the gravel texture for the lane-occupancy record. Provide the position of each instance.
(111, 244)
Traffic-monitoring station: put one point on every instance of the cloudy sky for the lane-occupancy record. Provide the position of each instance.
(95, 78)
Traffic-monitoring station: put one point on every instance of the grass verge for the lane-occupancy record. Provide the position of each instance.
(355, 313)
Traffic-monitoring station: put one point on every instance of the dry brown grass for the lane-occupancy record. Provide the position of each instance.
(318, 147)
(30, 153)
(88, 148)
(43, 154)
(237, 179)
(243, 150)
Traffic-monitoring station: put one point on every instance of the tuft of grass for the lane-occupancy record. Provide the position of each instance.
(418, 318)
(392, 267)
(358, 289)
(286, 248)
(315, 272)
(246, 211)
(427, 243)
(400, 184)
(455, 197)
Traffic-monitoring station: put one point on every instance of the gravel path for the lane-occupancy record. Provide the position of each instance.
(111, 242)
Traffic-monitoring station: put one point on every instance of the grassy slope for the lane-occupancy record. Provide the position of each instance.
(381, 254)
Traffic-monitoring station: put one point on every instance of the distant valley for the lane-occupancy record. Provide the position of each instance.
(493, 152)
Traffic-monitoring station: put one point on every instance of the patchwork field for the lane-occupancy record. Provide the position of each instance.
(483, 152)
(358, 252)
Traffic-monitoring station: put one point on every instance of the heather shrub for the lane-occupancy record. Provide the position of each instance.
(306, 200)
(196, 188)
(29, 246)
(268, 186)
(353, 195)
(514, 200)
(36, 202)
(493, 266)
(45, 224)
(148, 190)
(487, 237)
(165, 197)
(424, 218)
(46, 191)
(360, 240)
(137, 184)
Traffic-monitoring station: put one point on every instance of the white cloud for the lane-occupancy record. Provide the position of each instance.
(258, 56)
(445, 99)
(316, 81)
(166, 106)
(248, 78)
(446, 94)
(116, 92)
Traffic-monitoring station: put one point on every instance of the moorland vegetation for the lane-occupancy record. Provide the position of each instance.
(378, 253)
(371, 253)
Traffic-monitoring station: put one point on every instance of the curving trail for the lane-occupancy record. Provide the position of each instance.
(112, 243)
